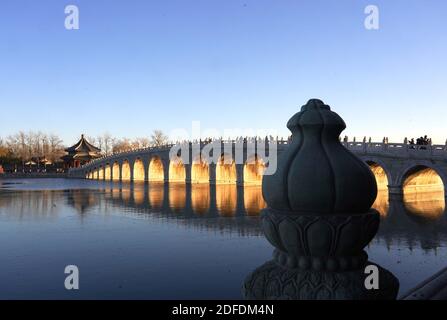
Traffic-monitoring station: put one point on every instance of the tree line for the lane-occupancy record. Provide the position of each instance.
(39, 147)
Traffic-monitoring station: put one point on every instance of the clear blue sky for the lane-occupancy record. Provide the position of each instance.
(135, 66)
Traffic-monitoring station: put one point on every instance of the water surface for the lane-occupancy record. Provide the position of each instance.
(173, 241)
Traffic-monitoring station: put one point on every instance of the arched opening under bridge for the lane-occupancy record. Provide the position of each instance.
(125, 171)
(116, 171)
(108, 172)
(177, 172)
(138, 170)
(156, 172)
(253, 171)
(381, 204)
(226, 170)
(200, 171)
(424, 192)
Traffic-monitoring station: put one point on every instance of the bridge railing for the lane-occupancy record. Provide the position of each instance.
(394, 149)
(115, 155)
(397, 149)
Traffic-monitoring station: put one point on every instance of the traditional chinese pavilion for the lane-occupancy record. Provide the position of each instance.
(81, 153)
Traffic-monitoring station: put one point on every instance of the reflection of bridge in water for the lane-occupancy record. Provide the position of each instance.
(396, 166)
(416, 221)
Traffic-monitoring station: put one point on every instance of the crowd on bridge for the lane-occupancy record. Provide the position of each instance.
(421, 141)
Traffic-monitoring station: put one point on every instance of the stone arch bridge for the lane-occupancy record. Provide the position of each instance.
(398, 161)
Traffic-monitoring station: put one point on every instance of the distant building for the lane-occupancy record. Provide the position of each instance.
(81, 153)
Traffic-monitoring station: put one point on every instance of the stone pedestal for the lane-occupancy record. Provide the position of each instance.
(273, 282)
(319, 217)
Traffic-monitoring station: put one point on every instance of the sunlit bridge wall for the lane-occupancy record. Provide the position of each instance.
(116, 171)
(226, 170)
(108, 172)
(101, 173)
(177, 172)
(380, 175)
(253, 171)
(138, 170)
(381, 204)
(424, 193)
(156, 172)
(226, 199)
(125, 171)
(200, 172)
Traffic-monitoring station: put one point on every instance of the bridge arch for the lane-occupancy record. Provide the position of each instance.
(107, 172)
(381, 173)
(116, 171)
(138, 170)
(156, 169)
(424, 176)
(424, 190)
(226, 170)
(254, 168)
(177, 171)
(101, 173)
(125, 170)
(200, 170)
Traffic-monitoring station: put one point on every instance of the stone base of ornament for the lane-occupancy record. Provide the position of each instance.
(271, 281)
(320, 242)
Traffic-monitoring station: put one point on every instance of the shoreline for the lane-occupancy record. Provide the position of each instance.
(33, 175)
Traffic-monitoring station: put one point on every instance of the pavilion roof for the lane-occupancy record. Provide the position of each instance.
(83, 146)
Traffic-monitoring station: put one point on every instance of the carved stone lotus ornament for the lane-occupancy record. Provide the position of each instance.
(319, 200)
(319, 217)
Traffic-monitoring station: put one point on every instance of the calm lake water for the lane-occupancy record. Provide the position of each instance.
(173, 241)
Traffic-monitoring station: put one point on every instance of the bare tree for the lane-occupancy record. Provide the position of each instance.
(142, 142)
(56, 148)
(121, 145)
(92, 140)
(4, 151)
(158, 138)
(31, 145)
(107, 143)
